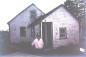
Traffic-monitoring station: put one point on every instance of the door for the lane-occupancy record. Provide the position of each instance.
(47, 34)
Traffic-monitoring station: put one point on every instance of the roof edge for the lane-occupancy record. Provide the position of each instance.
(23, 11)
(44, 16)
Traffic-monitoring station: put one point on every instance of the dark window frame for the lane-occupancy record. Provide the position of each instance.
(23, 31)
(62, 33)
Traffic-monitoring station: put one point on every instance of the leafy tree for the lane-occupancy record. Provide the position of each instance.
(71, 6)
(78, 9)
(33, 15)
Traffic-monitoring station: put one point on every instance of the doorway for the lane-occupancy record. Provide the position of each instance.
(47, 34)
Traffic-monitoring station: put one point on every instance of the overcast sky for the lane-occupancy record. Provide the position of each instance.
(10, 8)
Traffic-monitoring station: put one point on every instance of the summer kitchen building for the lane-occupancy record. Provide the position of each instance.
(57, 28)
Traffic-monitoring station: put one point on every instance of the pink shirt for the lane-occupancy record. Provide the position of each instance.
(38, 43)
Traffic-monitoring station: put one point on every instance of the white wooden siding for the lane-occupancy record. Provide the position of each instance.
(62, 18)
(21, 20)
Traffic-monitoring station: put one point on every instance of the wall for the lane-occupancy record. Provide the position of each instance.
(4, 41)
(62, 18)
(37, 29)
(22, 19)
(29, 35)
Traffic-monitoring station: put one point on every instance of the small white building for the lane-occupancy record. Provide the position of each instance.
(18, 25)
(57, 28)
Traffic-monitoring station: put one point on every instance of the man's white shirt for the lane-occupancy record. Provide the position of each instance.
(38, 43)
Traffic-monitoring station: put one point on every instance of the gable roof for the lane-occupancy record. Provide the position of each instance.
(24, 10)
(44, 16)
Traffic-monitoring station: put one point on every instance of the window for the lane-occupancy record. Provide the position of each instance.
(63, 33)
(23, 31)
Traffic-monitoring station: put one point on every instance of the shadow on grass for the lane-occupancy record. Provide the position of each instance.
(68, 50)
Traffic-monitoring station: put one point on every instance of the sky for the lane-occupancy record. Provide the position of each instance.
(10, 8)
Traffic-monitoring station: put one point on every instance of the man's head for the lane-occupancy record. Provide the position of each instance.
(38, 36)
